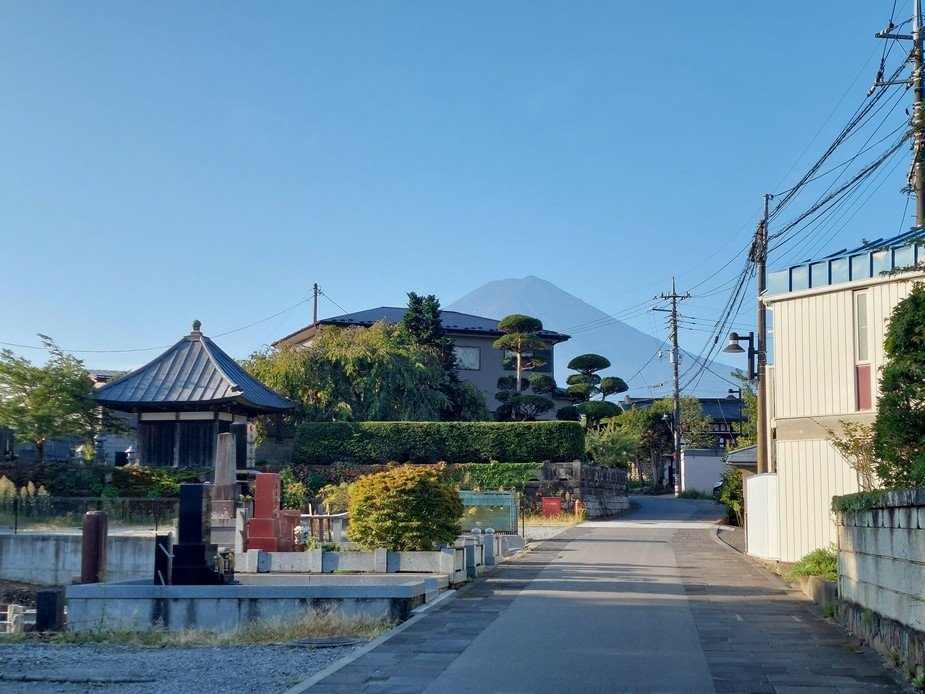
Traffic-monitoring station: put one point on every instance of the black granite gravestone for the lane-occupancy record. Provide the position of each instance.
(193, 556)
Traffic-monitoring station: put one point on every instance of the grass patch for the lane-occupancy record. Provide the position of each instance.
(822, 563)
(695, 494)
(563, 519)
(316, 624)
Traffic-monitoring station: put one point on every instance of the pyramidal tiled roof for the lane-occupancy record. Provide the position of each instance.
(193, 373)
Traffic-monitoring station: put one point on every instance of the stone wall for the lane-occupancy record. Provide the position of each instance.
(602, 490)
(881, 566)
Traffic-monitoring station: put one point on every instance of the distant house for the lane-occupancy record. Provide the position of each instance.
(479, 363)
(726, 416)
(829, 319)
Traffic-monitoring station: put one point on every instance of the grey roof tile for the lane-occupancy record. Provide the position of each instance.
(194, 372)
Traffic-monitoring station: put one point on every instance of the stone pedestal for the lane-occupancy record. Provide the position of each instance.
(193, 557)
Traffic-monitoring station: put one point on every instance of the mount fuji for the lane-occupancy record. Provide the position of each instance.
(642, 360)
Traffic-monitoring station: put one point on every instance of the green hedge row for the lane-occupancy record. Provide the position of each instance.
(431, 442)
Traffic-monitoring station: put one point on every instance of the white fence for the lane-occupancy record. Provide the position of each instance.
(762, 516)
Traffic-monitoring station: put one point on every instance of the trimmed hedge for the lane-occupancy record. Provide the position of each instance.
(431, 442)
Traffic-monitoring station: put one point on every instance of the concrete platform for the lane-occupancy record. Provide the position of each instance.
(140, 606)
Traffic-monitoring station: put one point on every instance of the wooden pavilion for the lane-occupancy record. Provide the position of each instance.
(185, 398)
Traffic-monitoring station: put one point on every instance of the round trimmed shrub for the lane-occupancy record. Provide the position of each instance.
(405, 508)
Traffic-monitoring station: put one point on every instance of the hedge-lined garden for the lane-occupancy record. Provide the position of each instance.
(372, 443)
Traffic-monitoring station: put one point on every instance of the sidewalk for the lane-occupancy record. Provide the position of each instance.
(627, 605)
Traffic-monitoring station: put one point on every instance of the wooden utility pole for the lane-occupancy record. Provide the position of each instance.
(759, 255)
(674, 471)
(316, 290)
(917, 121)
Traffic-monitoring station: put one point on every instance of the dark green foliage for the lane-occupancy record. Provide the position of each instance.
(494, 475)
(589, 363)
(613, 385)
(404, 508)
(525, 407)
(520, 339)
(509, 382)
(899, 430)
(569, 413)
(581, 392)
(731, 495)
(69, 480)
(585, 384)
(596, 410)
(519, 323)
(430, 442)
(41, 402)
(542, 383)
(423, 326)
(822, 563)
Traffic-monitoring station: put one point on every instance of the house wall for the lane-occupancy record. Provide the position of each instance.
(490, 368)
(812, 386)
(701, 468)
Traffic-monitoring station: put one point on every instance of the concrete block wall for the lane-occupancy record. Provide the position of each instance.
(881, 567)
(55, 559)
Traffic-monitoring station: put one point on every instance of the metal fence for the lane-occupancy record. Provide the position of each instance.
(66, 513)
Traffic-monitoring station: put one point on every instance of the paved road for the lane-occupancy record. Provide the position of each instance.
(650, 602)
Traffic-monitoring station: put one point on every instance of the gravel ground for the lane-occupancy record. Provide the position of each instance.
(538, 533)
(42, 667)
(733, 536)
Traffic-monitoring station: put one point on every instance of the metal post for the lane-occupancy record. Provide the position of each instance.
(918, 118)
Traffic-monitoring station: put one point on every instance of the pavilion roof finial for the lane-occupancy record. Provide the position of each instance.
(197, 324)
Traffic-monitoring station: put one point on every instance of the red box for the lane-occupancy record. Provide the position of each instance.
(552, 506)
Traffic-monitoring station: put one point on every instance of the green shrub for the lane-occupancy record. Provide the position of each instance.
(431, 442)
(731, 494)
(405, 508)
(822, 563)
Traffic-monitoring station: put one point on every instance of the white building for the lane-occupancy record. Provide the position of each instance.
(825, 351)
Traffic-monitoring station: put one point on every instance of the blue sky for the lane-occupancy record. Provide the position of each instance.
(161, 162)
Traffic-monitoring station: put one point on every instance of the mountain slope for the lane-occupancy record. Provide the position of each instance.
(633, 353)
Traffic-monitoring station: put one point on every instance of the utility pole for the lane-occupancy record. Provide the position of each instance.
(316, 290)
(918, 126)
(759, 255)
(917, 120)
(674, 471)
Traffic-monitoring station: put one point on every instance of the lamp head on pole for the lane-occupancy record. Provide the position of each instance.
(733, 346)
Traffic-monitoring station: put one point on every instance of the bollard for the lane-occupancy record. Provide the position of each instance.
(93, 547)
(489, 545)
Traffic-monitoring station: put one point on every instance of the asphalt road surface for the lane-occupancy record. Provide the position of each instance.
(650, 602)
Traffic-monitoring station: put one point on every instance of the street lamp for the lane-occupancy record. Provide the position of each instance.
(735, 348)
(756, 370)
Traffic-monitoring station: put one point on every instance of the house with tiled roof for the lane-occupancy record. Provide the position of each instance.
(479, 362)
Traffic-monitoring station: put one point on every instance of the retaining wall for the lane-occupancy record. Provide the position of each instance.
(881, 567)
(55, 559)
(142, 607)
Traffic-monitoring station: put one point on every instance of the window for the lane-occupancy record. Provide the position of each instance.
(468, 358)
(862, 375)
